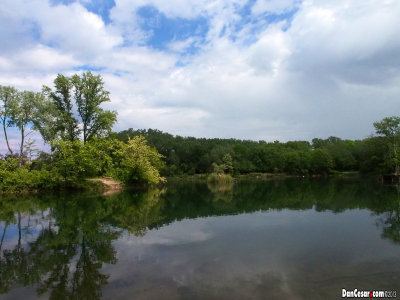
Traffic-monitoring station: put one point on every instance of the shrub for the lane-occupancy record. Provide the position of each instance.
(221, 178)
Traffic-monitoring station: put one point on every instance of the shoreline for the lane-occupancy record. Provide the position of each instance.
(108, 185)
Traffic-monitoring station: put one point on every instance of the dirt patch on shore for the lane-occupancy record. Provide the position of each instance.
(109, 184)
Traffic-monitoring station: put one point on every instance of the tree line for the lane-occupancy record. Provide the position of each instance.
(189, 155)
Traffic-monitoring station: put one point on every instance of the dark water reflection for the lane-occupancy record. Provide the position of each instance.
(287, 239)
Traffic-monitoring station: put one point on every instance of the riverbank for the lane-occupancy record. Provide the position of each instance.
(108, 184)
(266, 176)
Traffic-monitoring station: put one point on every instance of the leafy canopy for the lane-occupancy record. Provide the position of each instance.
(75, 109)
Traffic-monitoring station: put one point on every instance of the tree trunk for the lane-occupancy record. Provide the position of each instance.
(19, 230)
(84, 132)
(2, 237)
(396, 164)
(5, 135)
(21, 152)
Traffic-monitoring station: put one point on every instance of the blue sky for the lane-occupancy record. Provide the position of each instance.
(254, 69)
(163, 30)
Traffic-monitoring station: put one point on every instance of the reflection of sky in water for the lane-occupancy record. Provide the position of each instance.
(281, 254)
(30, 228)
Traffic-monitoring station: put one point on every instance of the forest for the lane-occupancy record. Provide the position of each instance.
(70, 119)
(189, 155)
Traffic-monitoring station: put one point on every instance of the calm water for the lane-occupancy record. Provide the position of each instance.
(292, 239)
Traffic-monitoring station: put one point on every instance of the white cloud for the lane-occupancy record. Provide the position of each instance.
(77, 31)
(69, 28)
(37, 59)
(181, 46)
(342, 37)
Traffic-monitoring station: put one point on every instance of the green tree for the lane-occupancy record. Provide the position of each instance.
(390, 128)
(217, 169)
(106, 155)
(140, 162)
(73, 162)
(65, 126)
(292, 162)
(8, 94)
(73, 108)
(227, 164)
(89, 95)
(45, 119)
(22, 111)
(30, 148)
(342, 152)
(321, 161)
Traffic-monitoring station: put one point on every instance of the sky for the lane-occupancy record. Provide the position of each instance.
(248, 69)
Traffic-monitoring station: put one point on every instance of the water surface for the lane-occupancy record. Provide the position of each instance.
(286, 239)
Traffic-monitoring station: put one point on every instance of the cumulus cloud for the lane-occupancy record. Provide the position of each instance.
(37, 59)
(75, 30)
(262, 69)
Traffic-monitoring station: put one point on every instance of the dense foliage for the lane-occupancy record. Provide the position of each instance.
(189, 155)
(72, 162)
(88, 120)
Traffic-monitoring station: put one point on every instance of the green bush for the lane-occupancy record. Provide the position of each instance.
(72, 162)
(140, 162)
(221, 178)
(23, 179)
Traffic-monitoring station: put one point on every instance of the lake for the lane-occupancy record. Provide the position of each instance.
(277, 239)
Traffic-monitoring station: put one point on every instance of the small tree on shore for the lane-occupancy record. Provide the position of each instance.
(227, 164)
(389, 128)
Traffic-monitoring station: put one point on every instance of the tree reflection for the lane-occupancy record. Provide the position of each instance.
(135, 212)
(15, 266)
(74, 242)
(390, 224)
(221, 191)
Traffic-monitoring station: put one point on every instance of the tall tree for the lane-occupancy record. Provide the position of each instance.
(22, 109)
(89, 95)
(46, 118)
(8, 94)
(65, 125)
(389, 127)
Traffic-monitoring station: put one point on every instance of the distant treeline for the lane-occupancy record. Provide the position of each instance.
(189, 155)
